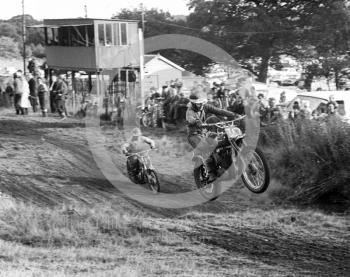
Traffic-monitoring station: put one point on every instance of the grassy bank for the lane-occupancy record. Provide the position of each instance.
(95, 241)
(311, 159)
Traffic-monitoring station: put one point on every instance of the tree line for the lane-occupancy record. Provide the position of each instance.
(254, 32)
(11, 45)
(257, 32)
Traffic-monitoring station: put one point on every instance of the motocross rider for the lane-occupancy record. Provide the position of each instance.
(196, 115)
(137, 143)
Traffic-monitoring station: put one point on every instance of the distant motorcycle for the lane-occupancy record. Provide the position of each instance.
(255, 175)
(146, 173)
(144, 115)
(153, 115)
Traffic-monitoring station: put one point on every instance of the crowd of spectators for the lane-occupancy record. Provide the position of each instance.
(33, 91)
(174, 103)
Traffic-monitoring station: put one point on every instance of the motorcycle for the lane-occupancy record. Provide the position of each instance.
(146, 173)
(151, 116)
(144, 116)
(231, 154)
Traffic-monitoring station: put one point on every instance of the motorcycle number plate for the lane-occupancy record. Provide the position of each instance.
(231, 132)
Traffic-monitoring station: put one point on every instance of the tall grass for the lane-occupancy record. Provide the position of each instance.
(311, 159)
(36, 226)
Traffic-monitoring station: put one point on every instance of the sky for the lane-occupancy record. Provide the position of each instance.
(41, 9)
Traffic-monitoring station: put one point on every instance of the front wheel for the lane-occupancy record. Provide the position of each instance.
(147, 119)
(256, 175)
(153, 181)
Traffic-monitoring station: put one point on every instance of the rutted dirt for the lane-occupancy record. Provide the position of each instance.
(48, 162)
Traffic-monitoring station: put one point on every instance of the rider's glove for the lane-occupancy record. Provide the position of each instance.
(199, 123)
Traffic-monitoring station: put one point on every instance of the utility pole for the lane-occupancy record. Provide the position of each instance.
(142, 69)
(142, 53)
(142, 17)
(24, 38)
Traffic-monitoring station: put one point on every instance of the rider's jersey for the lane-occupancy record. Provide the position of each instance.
(194, 117)
(138, 144)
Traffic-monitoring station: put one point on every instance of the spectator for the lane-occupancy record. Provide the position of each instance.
(9, 94)
(53, 92)
(18, 90)
(238, 106)
(24, 102)
(62, 91)
(213, 101)
(33, 92)
(262, 109)
(273, 111)
(283, 98)
(42, 94)
(180, 108)
(294, 114)
(332, 101)
(221, 92)
(121, 106)
(33, 67)
(214, 91)
(306, 112)
(46, 70)
(168, 95)
(155, 94)
(172, 106)
(331, 109)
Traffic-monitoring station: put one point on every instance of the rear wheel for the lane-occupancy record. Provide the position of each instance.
(256, 175)
(206, 189)
(153, 181)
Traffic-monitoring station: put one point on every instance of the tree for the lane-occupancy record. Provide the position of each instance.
(38, 50)
(329, 43)
(8, 48)
(262, 30)
(159, 22)
(8, 30)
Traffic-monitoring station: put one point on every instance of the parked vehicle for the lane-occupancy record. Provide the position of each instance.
(319, 98)
(153, 115)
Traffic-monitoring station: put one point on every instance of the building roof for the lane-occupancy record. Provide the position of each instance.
(80, 21)
(149, 58)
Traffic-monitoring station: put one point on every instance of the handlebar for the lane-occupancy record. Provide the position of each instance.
(223, 124)
(139, 153)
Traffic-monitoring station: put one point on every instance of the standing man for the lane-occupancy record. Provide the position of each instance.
(42, 93)
(53, 92)
(18, 91)
(62, 91)
(33, 92)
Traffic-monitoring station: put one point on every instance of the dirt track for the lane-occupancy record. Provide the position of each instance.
(48, 162)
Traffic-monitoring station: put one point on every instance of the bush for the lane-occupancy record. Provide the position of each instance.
(8, 48)
(38, 50)
(312, 158)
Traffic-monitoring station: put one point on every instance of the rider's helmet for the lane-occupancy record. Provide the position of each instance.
(198, 98)
(136, 132)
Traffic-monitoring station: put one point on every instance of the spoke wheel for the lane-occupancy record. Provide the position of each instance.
(207, 190)
(256, 175)
(153, 181)
(146, 120)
